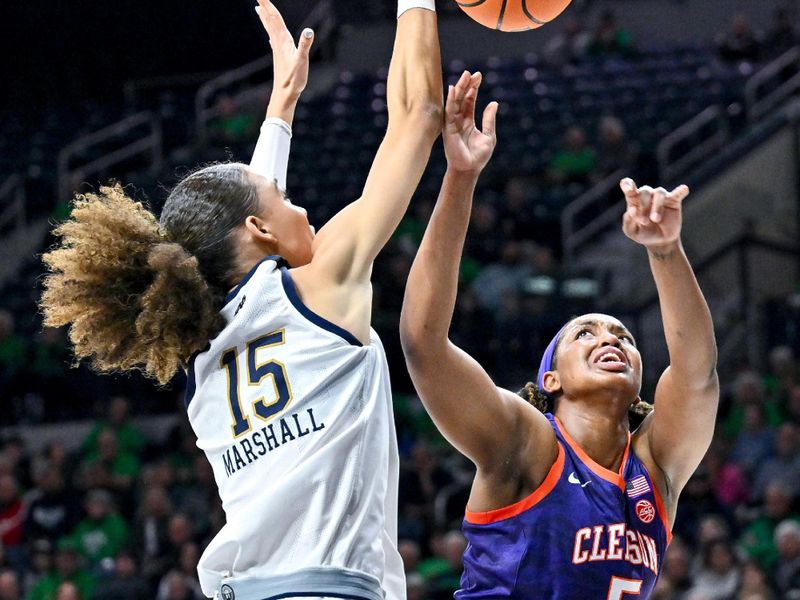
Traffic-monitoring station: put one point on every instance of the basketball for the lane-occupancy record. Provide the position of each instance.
(513, 15)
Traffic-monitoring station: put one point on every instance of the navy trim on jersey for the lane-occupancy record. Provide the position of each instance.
(191, 381)
(294, 298)
(278, 259)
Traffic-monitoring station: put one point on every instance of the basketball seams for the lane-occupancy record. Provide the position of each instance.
(502, 14)
(529, 15)
(470, 4)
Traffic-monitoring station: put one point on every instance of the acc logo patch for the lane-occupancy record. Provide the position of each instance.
(645, 511)
(226, 592)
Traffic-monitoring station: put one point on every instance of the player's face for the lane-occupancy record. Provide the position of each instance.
(287, 222)
(597, 352)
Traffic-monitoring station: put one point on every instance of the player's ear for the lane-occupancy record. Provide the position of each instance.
(551, 382)
(259, 232)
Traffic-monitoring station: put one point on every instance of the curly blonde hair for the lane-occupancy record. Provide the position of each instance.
(132, 300)
(139, 295)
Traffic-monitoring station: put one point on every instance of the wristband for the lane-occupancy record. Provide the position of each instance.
(404, 5)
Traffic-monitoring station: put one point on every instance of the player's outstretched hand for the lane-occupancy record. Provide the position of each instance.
(653, 217)
(468, 149)
(290, 62)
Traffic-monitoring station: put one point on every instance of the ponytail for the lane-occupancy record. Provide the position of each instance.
(139, 295)
(131, 299)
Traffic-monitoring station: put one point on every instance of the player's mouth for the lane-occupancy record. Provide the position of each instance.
(611, 359)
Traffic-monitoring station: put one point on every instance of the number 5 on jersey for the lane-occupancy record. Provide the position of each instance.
(256, 372)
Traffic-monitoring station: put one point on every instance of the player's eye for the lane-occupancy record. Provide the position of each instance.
(583, 332)
(628, 338)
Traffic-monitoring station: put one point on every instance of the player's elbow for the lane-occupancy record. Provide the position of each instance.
(420, 344)
(421, 118)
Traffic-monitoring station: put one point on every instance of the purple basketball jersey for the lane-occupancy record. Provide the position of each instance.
(586, 532)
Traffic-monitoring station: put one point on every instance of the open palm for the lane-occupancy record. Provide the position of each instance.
(466, 147)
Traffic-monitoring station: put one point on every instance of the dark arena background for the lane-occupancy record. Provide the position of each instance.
(100, 480)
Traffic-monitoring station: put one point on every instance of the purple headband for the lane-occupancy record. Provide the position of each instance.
(547, 359)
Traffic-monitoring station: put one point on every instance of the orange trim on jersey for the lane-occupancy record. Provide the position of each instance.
(499, 514)
(662, 513)
(616, 478)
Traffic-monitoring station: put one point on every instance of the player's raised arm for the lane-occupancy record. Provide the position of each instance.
(680, 429)
(346, 247)
(484, 422)
(290, 76)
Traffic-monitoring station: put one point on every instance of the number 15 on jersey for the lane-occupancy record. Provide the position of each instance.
(262, 408)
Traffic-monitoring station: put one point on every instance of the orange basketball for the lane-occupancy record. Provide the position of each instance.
(513, 15)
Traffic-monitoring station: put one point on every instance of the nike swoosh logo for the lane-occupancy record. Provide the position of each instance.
(574, 479)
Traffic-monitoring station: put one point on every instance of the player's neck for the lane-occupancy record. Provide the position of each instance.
(602, 435)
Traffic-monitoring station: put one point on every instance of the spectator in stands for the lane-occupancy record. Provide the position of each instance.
(501, 279)
(731, 486)
(410, 553)
(52, 510)
(787, 539)
(610, 38)
(485, 239)
(615, 149)
(740, 43)
(124, 583)
(13, 350)
(12, 519)
(718, 577)
(40, 563)
(111, 468)
(755, 442)
(67, 569)
(576, 160)
(758, 540)
(13, 452)
(420, 480)
(176, 586)
(783, 374)
(69, 591)
(416, 588)
(9, 585)
(569, 45)
(783, 465)
(755, 583)
(518, 218)
(103, 533)
(442, 572)
(49, 363)
(233, 125)
(783, 34)
(748, 388)
(676, 577)
(150, 532)
(129, 437)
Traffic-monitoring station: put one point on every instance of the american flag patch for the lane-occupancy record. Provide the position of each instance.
(637, 487)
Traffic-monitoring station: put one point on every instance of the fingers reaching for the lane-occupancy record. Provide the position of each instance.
(273, 22)
(471, 97)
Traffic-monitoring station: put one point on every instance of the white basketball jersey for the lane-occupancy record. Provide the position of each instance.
(295, 417)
